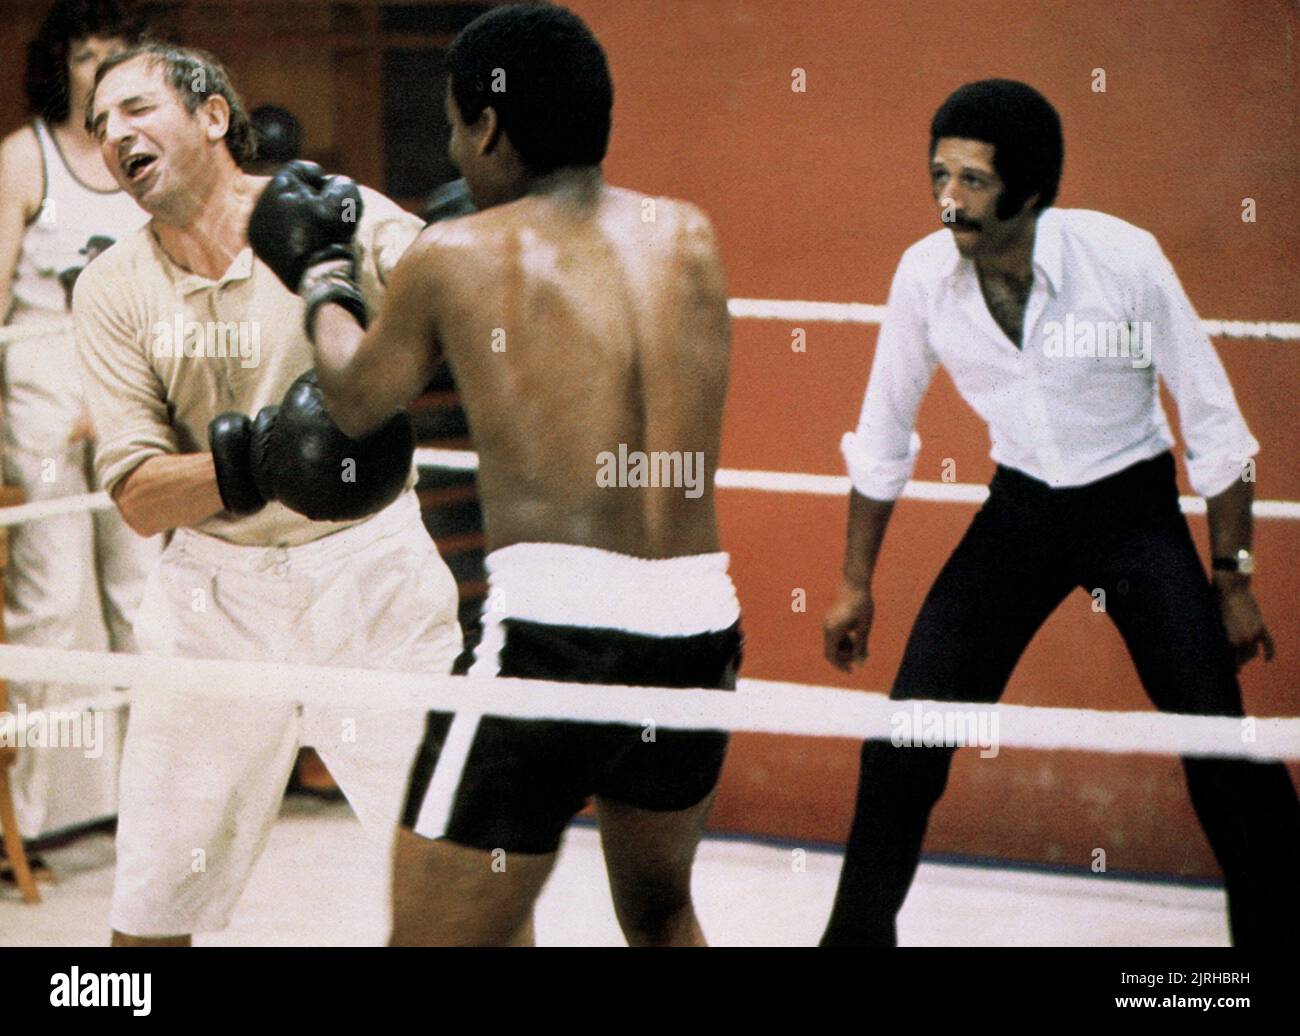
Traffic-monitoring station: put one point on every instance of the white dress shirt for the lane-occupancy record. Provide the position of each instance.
(1078, 402)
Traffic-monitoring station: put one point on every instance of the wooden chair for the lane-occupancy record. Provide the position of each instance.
(13, 839)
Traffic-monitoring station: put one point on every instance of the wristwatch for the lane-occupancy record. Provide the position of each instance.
(1242, 562)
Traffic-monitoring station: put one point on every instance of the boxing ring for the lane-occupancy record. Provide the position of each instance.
(764, 706)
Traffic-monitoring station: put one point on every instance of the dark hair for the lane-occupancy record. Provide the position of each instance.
(68, 21)
(1022, 126)
(277, 134)
(195, 75)
(545, 75)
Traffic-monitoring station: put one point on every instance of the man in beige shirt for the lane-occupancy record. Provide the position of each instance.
(177, 324)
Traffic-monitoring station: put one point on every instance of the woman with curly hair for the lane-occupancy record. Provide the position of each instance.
(73, 576)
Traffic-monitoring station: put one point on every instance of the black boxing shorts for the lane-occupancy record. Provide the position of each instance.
(580, 615)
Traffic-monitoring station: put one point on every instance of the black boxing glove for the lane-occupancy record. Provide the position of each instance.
(302, 228)
(238, 447)
(296, 454)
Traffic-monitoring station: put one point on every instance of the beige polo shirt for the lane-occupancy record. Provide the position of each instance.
(162, 351)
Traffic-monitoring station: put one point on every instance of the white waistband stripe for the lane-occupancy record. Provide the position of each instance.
(565, 584)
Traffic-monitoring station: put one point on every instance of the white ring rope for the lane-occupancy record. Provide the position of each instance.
(73, 503)
(796, 310)
(57, 328)
(800, 310)
(758, 705)
(839, 485)
(763, 706)
(727, 478)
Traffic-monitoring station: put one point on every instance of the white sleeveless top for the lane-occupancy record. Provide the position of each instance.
(75, 223)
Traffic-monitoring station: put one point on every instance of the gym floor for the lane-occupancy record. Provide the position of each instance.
(322, 882)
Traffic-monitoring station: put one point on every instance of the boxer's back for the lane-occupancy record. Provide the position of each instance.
(590, 344)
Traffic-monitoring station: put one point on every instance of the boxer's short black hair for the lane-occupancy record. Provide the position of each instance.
(195, 75)
(1022, 126)
(545, 75)
(66, 23)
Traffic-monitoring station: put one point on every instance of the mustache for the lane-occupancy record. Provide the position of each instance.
(963, 223)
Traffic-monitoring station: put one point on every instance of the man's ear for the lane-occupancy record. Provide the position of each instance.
(492, 131)
(215, 112)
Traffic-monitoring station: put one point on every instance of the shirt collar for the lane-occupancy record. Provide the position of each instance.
(1048, 256)
(1048, 253)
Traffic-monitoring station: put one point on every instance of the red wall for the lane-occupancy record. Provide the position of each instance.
(815, 195)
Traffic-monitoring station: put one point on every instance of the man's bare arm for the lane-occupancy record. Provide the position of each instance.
(868, 520)
(847, 625)
(20, 199)
(702, 327)
(1231, 529)
(365, 377)
(169, 492)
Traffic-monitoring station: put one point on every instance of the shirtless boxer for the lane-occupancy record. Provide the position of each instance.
(274, 553)
(578, 318)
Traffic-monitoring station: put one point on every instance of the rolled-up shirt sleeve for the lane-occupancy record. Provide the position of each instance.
(1217, 439)
(126, 399)
(388, 232)
(881, 453)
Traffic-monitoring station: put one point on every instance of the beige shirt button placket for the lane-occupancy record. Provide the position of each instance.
(225, 389)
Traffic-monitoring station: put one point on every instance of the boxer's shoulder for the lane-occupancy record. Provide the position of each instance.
(695, 239)
(675, 216)
(687, 245)
(671, 232)
(465, 243)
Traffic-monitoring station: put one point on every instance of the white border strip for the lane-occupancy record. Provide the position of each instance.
(758, 705)
(839, 485)
(863, 313)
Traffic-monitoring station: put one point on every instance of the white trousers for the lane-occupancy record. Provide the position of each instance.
(202, 779)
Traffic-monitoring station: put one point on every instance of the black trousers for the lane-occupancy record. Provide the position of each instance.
(1027, 549)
